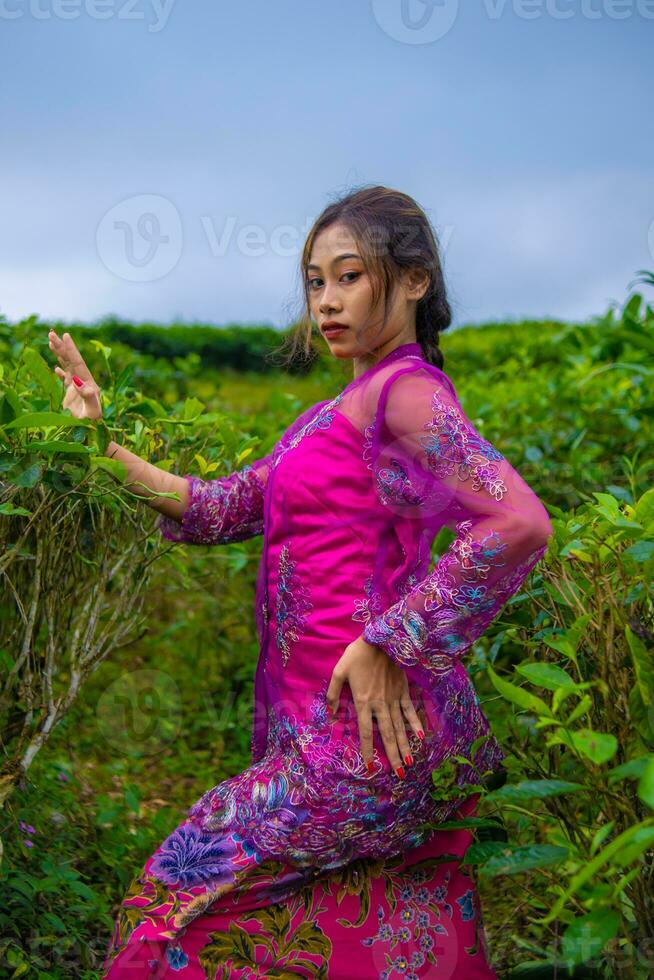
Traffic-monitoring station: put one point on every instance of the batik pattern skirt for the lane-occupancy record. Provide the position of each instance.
(415, 915)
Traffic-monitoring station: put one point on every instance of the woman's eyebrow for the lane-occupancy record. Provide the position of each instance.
(338, 258)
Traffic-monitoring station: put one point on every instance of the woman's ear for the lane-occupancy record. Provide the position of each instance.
(416, 283)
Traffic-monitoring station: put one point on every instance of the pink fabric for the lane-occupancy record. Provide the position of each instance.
(412, 916)
(348, 501)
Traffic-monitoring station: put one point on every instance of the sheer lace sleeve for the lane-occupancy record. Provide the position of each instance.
(430, 464)
(229, 508)
(222, 510)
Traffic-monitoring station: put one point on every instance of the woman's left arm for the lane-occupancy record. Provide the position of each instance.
(430, 463)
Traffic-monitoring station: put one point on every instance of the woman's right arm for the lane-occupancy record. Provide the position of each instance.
(202, 511)
(144, 477)
(217, 511)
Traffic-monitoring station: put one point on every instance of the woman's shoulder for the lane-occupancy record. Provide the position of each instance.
(304, 418)
(408, 380)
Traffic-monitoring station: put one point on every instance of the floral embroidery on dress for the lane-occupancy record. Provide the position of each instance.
(270, 808)
(458, 610)
(394, 485)
(370, 606)
(454, 446)
(368, 433)
(293, 603)
(219, 511)
(321, 420)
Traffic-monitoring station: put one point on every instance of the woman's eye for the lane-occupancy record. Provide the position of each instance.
(317, 279)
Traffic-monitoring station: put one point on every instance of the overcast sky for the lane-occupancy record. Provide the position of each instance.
(163, 161)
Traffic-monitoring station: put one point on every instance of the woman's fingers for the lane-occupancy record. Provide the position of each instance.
(69, 356)
(411, 715)
(399, 724)
(389, 737)
(364, 719)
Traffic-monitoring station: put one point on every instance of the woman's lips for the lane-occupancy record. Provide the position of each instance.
(333, 331)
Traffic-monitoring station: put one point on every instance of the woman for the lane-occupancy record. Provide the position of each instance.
(252, 883)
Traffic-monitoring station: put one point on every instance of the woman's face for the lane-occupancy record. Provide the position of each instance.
(340, 290)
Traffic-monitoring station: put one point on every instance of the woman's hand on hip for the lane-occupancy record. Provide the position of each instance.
(379, 687)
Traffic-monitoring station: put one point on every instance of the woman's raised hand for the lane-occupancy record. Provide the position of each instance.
(82, 400)
(378, 686)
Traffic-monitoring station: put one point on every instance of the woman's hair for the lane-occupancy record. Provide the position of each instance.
(392, 233)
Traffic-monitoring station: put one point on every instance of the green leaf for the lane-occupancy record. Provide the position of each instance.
(533, 789)
(42, 374)
(590, 868)
(643, 665)
(641, 551)
(28, 477)
(192, 408)
(58, 446)
(45, 420)
(599, 747)
(641, 840)
(548, 676)
(646, 784)
(586, 937)
(601, 835)
(518, 696)
(581, 709)
(116, 467)
(149, 408)
(645, 508)
(132, 800)
(11, 406)
(565, 643)
(81, 889)
(469, 823)
(8, 508)
(55, 921)
(481, 851)
(514, 860)
(639, 716)
(106, 354)
(631, 308)
(632, 769)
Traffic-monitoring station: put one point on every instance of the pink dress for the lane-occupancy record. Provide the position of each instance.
(348, 501)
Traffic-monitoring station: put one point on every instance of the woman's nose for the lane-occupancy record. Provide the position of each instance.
(328, 300)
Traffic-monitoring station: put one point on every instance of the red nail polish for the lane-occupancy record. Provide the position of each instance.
(371, 767)
(78, 381)
(408, 759)
(400, 772)
(421, 734)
